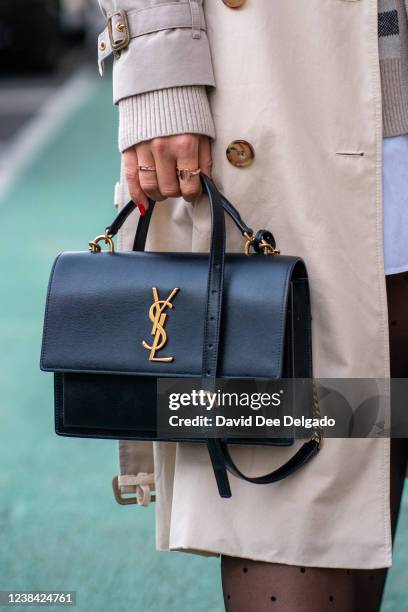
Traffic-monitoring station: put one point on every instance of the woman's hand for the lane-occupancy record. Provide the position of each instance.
(164, 156)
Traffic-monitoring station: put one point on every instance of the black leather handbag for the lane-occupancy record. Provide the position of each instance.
(235, 316)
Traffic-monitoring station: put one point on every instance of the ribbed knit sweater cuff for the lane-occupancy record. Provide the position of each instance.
(395, 97)
(164, 112)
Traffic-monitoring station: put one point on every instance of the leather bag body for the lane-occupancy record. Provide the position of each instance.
(238, 316)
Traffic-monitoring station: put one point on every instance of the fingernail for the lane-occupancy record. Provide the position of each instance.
(142, 208)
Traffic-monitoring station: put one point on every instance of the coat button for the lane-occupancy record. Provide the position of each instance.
(240, 153)
(234, 3)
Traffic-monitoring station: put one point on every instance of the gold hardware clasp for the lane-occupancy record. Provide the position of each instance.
(266, 248)
(249, 241)
(106, 238)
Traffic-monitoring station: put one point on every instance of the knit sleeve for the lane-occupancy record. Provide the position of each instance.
(164, 112)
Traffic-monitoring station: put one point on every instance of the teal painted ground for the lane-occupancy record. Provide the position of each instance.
(59, 525)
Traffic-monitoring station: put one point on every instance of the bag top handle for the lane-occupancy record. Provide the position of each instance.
(262, 240)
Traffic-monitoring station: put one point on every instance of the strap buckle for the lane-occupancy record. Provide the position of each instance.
(118, 22)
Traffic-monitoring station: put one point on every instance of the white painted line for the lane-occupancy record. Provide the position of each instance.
(34, 135)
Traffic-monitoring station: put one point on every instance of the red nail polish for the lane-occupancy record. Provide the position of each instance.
(141, 208)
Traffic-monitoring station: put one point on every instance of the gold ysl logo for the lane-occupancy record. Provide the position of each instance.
(158, 319)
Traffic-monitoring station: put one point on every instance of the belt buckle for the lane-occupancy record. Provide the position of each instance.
(121, 499)
(122, 27)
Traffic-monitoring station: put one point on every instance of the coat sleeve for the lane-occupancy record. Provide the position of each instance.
(159, 45)
(161, 75)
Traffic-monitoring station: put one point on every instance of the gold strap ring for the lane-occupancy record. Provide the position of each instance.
(106, 238)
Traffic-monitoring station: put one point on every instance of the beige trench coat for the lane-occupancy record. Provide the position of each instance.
(299, 80)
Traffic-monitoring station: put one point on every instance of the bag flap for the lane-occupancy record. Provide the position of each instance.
(102, 313)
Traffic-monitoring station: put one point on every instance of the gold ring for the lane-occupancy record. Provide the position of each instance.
(186, 175)
(146, 168)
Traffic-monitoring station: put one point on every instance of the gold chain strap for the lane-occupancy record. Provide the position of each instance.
(317, 431)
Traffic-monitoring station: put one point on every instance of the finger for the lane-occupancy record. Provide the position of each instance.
(148, 179)
(187, 159)
(205, 155)
(166, 168)
(130, 163)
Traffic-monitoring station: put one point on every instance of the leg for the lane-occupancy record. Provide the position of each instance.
(254, 586)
